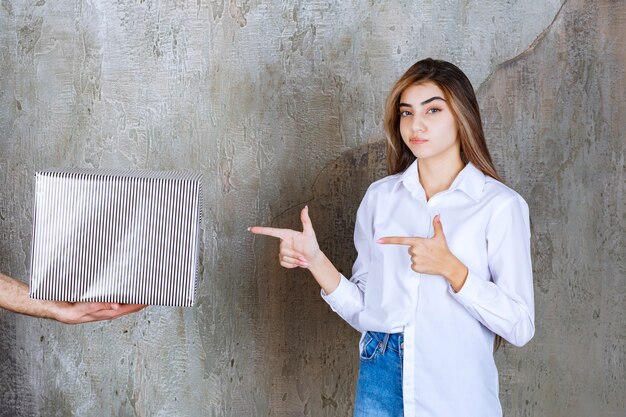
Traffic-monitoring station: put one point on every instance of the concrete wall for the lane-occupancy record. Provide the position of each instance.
(279, 104)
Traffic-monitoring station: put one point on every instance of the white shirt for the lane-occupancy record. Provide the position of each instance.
(448, 368)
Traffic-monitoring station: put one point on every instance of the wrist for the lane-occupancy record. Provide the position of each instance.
(316, 262)
(457, 274)
(53, 310)
(60, 311)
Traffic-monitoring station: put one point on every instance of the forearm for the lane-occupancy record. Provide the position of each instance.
(325, 273)
(345, 297)
(509, 314)
(14, 297)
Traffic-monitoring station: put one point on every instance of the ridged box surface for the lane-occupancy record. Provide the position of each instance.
(116, 236)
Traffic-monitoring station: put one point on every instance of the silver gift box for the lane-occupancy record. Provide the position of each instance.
(116, 236)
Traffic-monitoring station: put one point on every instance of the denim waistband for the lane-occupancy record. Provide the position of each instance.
(393, 341)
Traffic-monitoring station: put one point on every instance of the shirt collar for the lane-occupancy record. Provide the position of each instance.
(410, 179)
(470, 180)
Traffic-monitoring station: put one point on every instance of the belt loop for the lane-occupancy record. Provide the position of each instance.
(383, 348)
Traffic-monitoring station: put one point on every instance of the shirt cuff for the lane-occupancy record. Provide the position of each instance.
(469, 291)
(340, 296)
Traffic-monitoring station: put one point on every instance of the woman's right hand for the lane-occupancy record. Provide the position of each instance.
(297, 249)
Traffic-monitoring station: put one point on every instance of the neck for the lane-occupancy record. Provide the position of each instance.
(437, 176)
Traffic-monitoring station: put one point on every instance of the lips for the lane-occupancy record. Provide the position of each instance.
(417, 141)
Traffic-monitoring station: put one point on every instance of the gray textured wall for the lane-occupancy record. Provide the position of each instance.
(279, 103)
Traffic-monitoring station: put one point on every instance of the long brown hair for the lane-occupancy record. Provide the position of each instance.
(459, 93)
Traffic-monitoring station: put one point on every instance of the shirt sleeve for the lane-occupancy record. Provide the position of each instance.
(347, 300)
(504, 303)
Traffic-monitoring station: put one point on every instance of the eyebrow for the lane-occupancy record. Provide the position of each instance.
(423, 102)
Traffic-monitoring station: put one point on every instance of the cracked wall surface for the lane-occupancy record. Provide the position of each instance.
(279, 104)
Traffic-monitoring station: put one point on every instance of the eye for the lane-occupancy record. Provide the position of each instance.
(405, 113)
(433, 110)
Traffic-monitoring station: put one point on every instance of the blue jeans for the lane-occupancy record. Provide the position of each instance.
(379, 387)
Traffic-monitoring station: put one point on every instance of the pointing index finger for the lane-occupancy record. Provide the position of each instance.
(271, 231)
(397, 240)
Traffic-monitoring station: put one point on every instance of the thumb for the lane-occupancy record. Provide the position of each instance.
(307, 226)
(438, 228)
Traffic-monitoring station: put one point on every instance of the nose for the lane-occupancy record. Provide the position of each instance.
(418, 124)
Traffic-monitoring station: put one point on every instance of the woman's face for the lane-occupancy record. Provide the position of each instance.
(427, 124)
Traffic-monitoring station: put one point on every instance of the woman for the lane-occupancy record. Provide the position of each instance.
(429, 318)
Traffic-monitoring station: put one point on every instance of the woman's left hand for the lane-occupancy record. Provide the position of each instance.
(432, 255)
